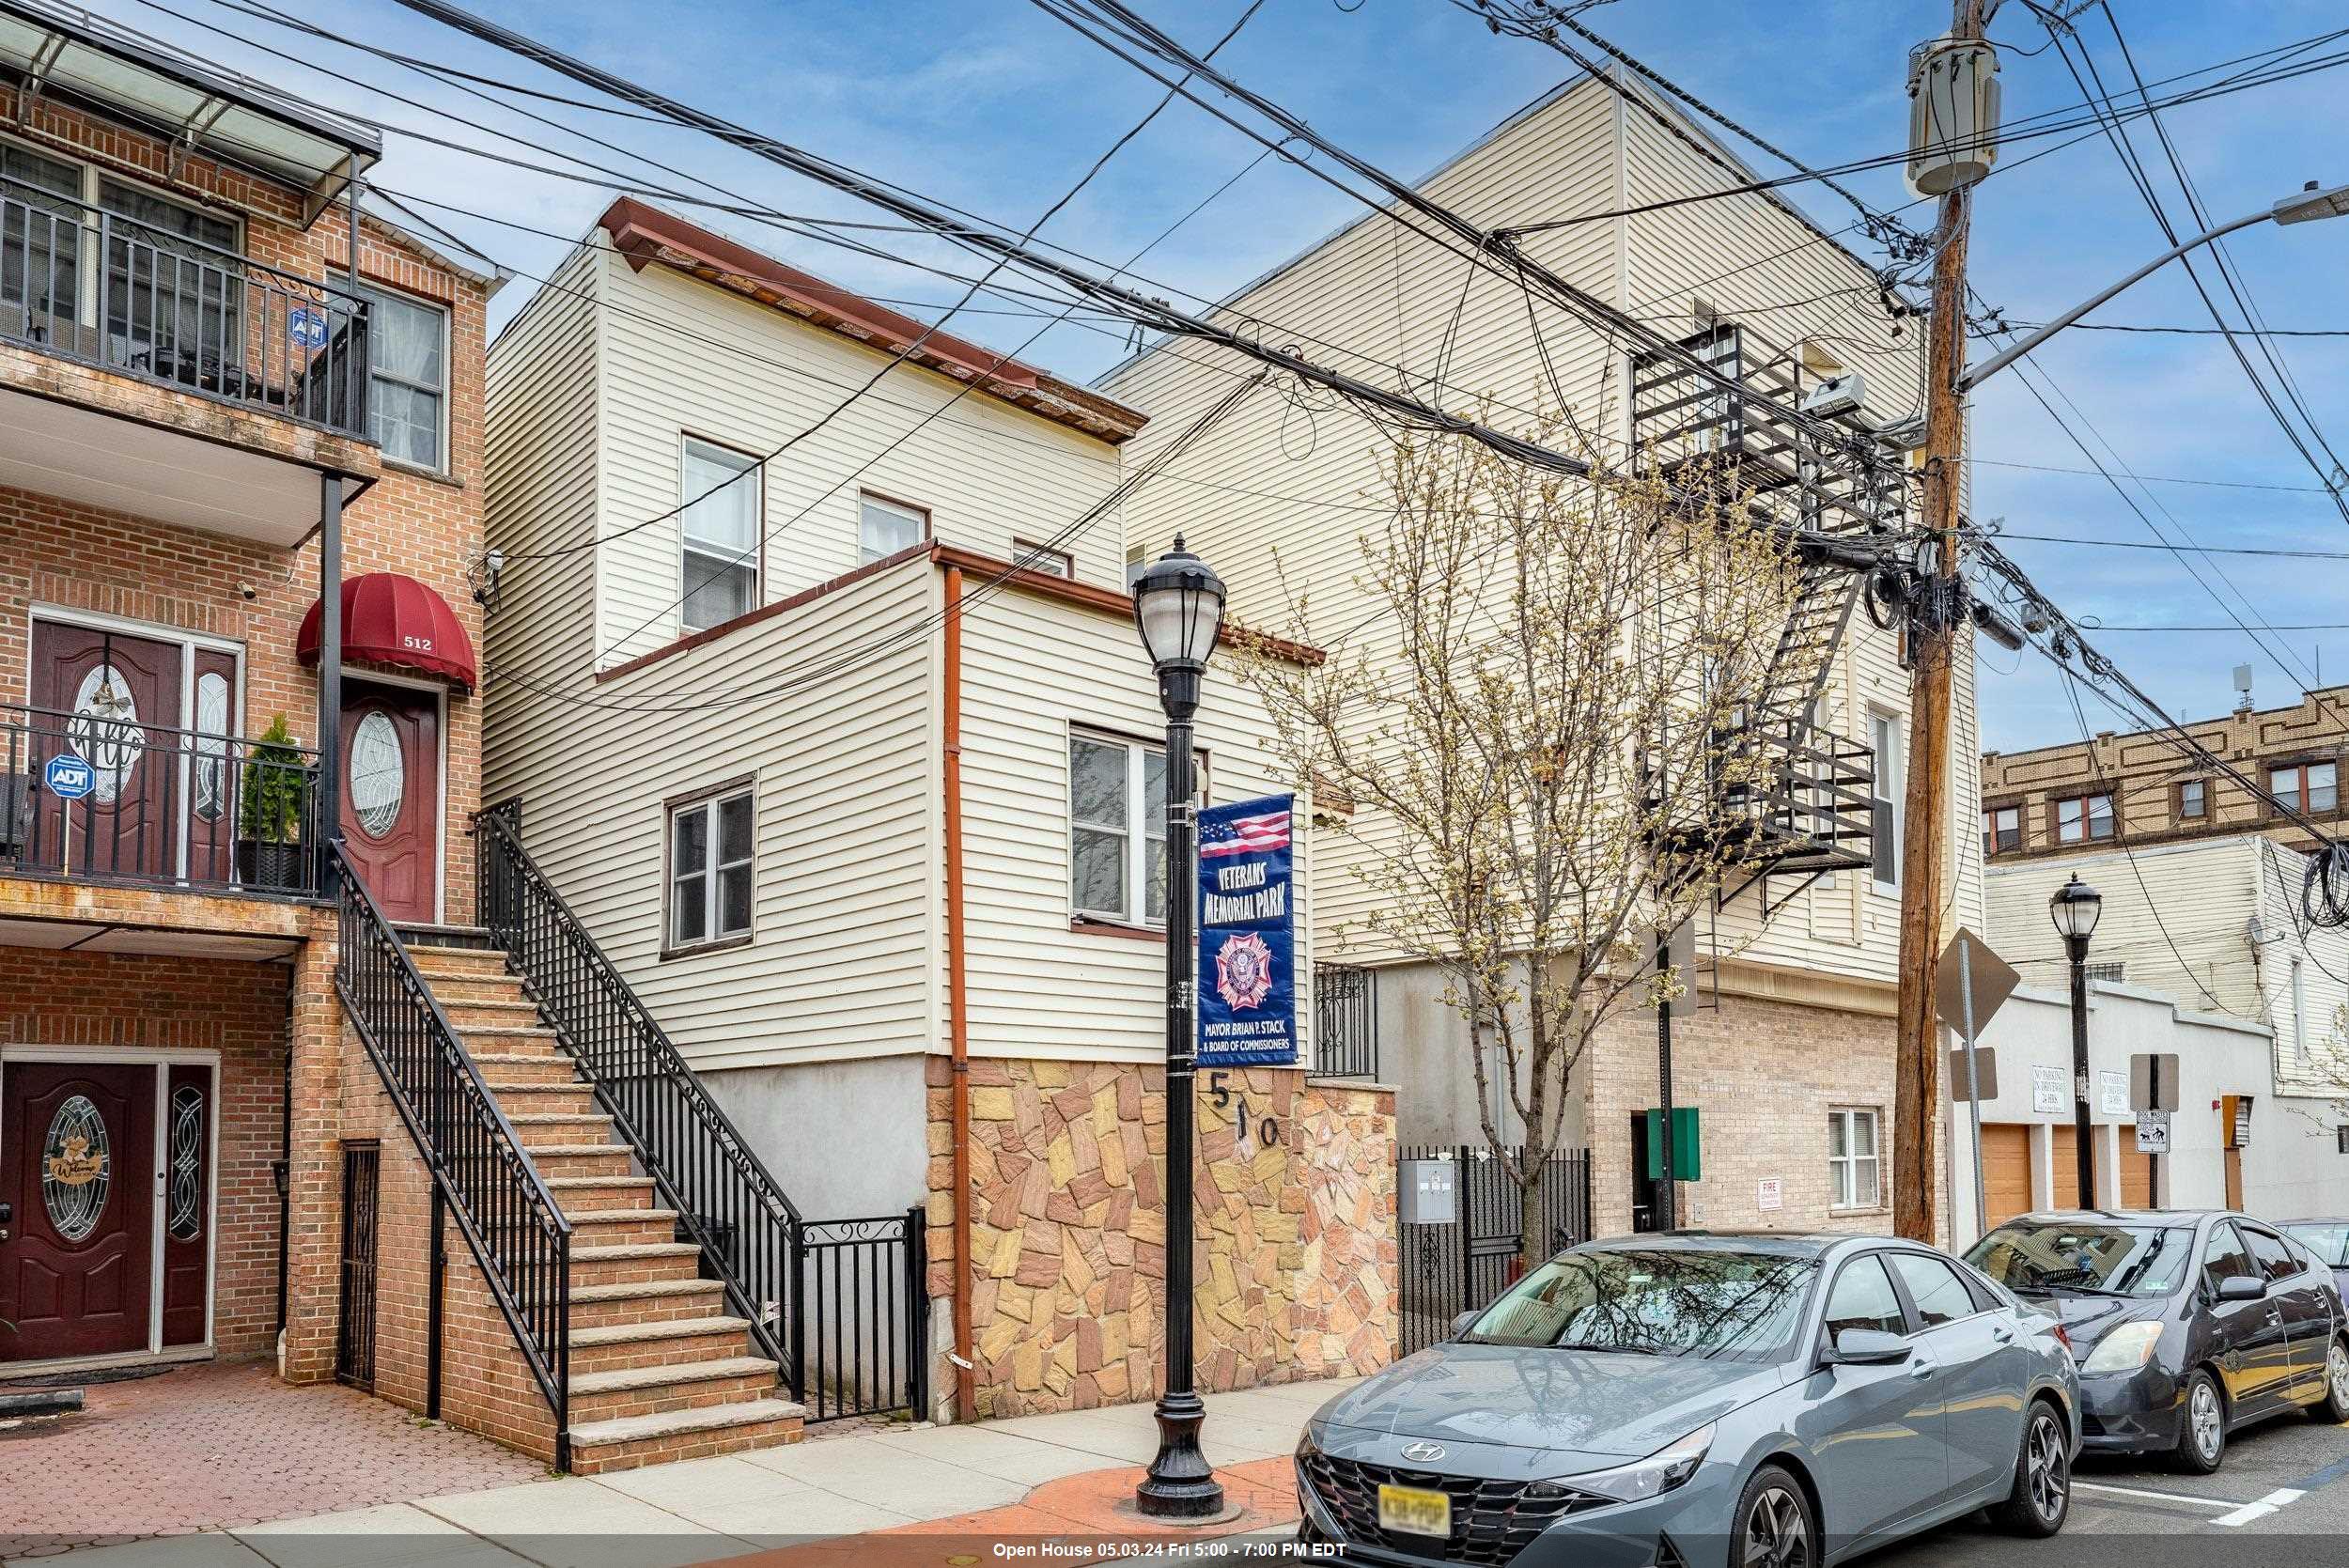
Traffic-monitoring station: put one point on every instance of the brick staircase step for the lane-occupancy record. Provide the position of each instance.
(602, 1227)
(455, 985)
(584, 1160)
(646, 1301)
(519, 1067)
(498, 1041)
(573, 1099)
(653, 1390)
(631, 1441)
(538, 1129)
(666, 1342)
(471, 1015)
(602, 1194)
(638, 1262)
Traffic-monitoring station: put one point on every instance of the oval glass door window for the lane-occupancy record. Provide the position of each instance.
(75, 1170)
(378, 774)
(105, 730)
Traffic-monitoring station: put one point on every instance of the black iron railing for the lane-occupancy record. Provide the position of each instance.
(728, 1203)
(1345, 1023)
(510, 1220)
(121, 799)
(1447, 1270)
(862, 1335)
(102, 287)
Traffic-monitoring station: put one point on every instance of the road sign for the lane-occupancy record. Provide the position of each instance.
(2046, 1091)
(1994, 981)
(2152, 1132)
(1985, 1071)
(2113, 1092)
(68, 777)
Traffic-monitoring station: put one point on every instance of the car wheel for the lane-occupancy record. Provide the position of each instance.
(2042, 1498)
(2202, 1442)
(1775, 1527)
(2334, 1406)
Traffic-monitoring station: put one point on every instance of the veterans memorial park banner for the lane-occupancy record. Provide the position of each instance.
(1247, 935)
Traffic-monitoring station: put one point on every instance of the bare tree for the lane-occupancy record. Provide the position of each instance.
(1536, 715)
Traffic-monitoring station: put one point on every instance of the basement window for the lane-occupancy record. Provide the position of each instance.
(712, 854)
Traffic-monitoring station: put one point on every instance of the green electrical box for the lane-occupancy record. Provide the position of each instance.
(1687, 1147)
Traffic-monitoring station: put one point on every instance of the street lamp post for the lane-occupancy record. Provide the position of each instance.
(2074, 908)
(1178, 607)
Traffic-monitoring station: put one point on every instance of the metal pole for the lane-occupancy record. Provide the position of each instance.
(1667, 1195)
(2154, 1162)
(2085, 1150)
(328, 826)
(1180, 1483)
(1973, 1075)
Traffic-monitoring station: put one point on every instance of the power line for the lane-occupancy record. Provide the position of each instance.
(2154, 478)
(2199, 550)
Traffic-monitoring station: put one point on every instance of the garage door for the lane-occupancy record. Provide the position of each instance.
(2006, 1168)
(2067, 1166)
(2137, 1170)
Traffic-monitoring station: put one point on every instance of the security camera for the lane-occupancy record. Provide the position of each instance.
(248, 592)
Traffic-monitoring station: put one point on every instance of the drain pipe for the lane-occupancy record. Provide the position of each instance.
(957, 995)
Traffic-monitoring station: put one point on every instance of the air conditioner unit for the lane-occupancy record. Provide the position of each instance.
(1837, 395)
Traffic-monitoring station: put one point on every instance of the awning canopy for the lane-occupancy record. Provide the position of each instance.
(395, 620)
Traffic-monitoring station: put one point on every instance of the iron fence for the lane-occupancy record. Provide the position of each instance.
(1346, 1021)
(105, 289)
(161, 806)
(510, 1220)
(1447, 1270)
(355, 1341)
(862, 1335)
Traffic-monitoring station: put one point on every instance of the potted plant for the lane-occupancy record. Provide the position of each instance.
(272, 851)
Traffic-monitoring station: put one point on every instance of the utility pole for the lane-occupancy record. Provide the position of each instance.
(1933, 641)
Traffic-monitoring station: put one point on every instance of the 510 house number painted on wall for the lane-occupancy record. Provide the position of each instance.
(1248, 1132)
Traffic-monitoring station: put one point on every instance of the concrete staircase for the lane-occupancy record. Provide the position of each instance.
(659, 1369)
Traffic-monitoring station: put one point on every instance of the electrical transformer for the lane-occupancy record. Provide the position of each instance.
(1952, 114)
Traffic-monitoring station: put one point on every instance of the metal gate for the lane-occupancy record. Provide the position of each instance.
(354, 1343)
(1449, 1270)
(860, 1336)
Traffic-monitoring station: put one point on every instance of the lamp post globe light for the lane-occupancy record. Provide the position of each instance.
(1178, 608)
(2074, 908)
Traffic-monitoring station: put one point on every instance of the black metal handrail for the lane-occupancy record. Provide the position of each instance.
(727, 1202)
(161, 807)
(89, 283)
(516, 1230)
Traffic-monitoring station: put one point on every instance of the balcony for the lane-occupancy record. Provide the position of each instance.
(156, 375)
(124, 804)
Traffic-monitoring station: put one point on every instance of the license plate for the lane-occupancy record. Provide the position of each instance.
(1414, 1511)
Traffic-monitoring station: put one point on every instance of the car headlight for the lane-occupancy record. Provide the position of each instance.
(1306, 1447)
(1658, 1473)
(2125, 1349)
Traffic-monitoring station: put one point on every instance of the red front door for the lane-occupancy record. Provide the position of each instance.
(391, 813)
(113, 699)
(77, 1172)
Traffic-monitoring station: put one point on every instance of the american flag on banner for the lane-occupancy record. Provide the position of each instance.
(1244, 835)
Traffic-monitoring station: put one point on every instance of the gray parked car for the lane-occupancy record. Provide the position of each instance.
(2189, 1323)
(2330, 1240)
(1695, 1398)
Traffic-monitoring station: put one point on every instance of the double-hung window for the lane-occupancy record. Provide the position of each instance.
(175, 294)
(2306, 785)
(1854, 1166)
(2001, 830)
(885, 527)
(1891, 762)
(406, 377)
(40, 240)
(1117, 829)
(2083, 818)
(720, 524)
(712, 856)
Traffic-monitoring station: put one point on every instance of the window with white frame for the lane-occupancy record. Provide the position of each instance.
(1891, 762)
(2193, 800)
(712, 857)
(2001, 830)
(1042, 559)
(885, 527)
(2306, 785)
(1854, 1168)
(406, 377)
(719, 523)
(2083, 818)
(1118, 826)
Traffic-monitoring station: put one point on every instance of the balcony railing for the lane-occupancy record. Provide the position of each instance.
(102, 289)
(96, 799)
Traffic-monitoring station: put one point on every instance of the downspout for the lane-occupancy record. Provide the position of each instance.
(958, 1030)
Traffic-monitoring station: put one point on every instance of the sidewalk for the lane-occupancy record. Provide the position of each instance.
(928, 1495)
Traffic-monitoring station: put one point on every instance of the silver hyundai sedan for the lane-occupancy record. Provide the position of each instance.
(1695, 1398)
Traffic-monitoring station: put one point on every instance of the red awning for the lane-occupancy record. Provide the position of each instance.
(395, 620)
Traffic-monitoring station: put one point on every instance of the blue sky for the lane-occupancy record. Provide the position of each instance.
(991, 105)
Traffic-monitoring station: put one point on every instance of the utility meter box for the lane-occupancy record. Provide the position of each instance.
(1952, 115)
(1428, 1192)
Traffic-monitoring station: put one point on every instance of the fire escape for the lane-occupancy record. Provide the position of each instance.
(1792, 446)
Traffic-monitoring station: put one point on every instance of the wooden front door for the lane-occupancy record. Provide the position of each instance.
(77, 1172)
(113, 699)
(390, 812)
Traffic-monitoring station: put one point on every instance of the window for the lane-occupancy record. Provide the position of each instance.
(1863, 1298)
(2193, 800)
(720, 524)
(2001, 830)
(2083, 818)
(406, 377)
(1041, 559)
(1135, 560)
(886, 527)
(1883, 736)
(1114, 786)
(2304, 786)
(172, 304)
(711, 851)
(42, 239)
(2275, 1260)
(2223, 1257)
(1940, 1296)
(1852, 1159)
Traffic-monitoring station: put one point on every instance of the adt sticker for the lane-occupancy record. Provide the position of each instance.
(306, 327)
(69, 777)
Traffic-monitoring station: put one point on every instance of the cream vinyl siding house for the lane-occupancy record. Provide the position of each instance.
(826, 702)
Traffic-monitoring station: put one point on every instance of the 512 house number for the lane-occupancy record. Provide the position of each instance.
(1249, 1131)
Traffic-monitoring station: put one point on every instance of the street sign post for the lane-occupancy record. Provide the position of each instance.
(2152, 1133)
(1978, 980)
(2153, 1090)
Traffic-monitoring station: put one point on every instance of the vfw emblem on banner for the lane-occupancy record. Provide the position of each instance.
(1247, 935)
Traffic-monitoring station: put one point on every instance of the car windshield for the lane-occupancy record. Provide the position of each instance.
(2086, 1257)
(1662, 1302)
(2327, 1239)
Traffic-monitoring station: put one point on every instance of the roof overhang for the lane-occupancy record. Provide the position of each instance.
(47, 47)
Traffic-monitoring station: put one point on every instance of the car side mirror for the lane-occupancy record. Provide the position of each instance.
(1866, 1348)
(2242, 1287)
(1460, 1325)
